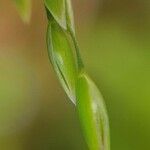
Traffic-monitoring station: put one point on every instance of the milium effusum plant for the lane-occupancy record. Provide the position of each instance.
(64, 55)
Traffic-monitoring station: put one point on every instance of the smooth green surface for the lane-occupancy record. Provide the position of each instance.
(69, 16)
(61, 55)
(24, 9)
(57, 10)
(90, 105)
(61, 10)
(92, 114)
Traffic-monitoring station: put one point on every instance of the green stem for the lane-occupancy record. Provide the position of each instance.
(75, 42)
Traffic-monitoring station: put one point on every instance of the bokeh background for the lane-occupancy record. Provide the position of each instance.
(35, 113)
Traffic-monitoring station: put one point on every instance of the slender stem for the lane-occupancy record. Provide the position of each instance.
(79, 59)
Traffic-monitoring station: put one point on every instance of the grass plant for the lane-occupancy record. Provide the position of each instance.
(64, 55)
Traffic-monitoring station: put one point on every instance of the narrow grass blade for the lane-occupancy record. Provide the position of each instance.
(24, 9)
(61, 56)
(92, 114)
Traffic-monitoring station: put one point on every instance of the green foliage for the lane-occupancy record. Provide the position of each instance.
(92, 113)
(61, 11)
(68, 65)
(57, 10)
(61, 56)
(69, 16)
(90, 104)
(24, 9)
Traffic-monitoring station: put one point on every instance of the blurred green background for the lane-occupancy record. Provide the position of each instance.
(35, 113)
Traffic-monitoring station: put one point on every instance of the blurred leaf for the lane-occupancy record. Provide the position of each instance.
(61, 56)
(24, 9)
(92, 114)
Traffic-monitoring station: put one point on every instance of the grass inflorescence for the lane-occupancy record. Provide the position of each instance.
(64, 55)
